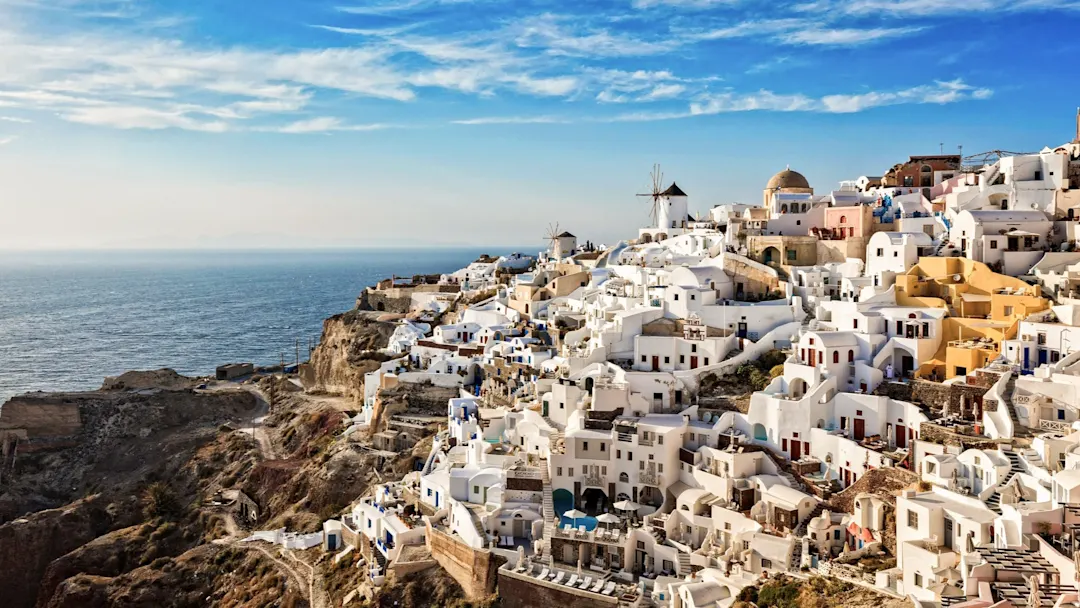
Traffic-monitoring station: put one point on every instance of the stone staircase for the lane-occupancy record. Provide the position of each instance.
(556, 436)
(684, 563)
(380, 558)
(1010, 391)
(799, 532)
(547, 508)
(1015, 466)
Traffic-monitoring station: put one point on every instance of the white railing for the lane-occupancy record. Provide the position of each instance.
(1055, 426)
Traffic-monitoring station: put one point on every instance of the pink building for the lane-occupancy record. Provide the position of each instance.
(847, 222)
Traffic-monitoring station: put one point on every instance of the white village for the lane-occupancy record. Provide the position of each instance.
(877, 382)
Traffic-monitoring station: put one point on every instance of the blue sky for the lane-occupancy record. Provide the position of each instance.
(134, 123)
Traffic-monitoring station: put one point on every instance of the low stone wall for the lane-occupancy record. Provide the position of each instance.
(476, 570)
(956, 398)
(524, 591)
(406, 568)
(398, 299)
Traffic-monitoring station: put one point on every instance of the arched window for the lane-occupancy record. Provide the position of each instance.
(850, 356)
(843, 219)
(783, 208)
(624, 478)
(926, 169)
(836, 356)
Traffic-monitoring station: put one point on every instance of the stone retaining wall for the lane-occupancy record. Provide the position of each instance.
(524, 591)
(476, 570)
(41, 416)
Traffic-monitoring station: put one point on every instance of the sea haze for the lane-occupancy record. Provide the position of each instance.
(68, 319)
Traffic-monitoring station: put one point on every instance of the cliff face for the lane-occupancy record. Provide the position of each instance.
(347, 350)
(29, 545)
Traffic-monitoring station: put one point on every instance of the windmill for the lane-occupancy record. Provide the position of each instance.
(657, 179)
(553, 240)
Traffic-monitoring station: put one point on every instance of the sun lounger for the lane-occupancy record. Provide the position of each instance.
(543, 574)
(609, 588)
(573, 581)
(582, 531)
(598, 586)
(558, 578)
(567, 528)
(585, 583)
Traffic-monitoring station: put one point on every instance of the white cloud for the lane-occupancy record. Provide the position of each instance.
(941, 92)
(695, 4)
(926, 8)
(14, 119)
(134, 117)
(512, 120)
(562, 35)
(845, 36)
(5, 140)
(325, 124)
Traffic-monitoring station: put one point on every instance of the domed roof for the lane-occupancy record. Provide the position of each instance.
(788, 179)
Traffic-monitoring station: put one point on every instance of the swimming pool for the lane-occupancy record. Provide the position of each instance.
(564, 501)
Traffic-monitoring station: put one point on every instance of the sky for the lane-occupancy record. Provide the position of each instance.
(344, 123)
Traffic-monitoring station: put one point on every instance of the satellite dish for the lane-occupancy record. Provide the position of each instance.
(956, 278)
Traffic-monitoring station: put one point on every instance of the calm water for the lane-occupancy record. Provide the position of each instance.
(68, 319)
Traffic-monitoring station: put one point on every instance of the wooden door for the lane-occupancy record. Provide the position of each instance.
(860, 429)
(796, 450)
(693, 362)
(901, 436)
(656, 364)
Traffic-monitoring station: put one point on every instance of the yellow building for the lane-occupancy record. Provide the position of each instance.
(985, 308)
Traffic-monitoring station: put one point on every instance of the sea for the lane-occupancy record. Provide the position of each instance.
(69, 319)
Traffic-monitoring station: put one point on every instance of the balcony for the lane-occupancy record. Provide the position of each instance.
(649, 478)
(644, 442)
(1055, 426)
(594, 480)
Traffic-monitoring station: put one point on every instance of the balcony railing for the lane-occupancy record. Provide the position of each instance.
(644, 442)
(1055, 426)
(649, 478)
(594, 480)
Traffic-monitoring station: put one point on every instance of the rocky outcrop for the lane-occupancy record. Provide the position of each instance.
(30, 544)
(347, 350)
(165, 379)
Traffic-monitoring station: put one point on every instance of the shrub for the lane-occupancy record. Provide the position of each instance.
(158, 500)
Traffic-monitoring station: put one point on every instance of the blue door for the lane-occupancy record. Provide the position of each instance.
(1042, 356)
(1027, 359)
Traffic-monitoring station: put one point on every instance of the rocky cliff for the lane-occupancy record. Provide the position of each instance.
(347, 350)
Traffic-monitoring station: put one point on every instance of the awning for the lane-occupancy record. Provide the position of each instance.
(1020, 233)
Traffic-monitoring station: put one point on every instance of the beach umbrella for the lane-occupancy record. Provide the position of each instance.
(608, 518)
(627, 505)
(574, 514)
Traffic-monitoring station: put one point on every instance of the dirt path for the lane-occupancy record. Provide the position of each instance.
(258, 431)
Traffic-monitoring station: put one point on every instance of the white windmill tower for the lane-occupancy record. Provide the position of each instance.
(560, 244)
(669, 206)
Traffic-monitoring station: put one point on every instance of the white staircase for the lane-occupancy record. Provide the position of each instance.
(547, 509)
(684, 563)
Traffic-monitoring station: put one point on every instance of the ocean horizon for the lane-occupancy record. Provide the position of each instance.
(70, 318)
